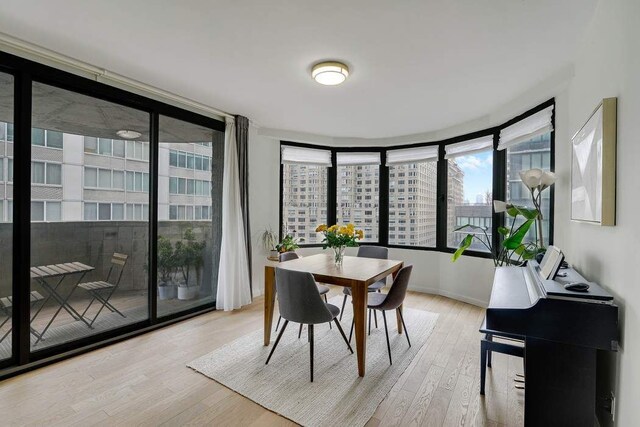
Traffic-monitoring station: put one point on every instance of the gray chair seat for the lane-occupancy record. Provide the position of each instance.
(94, 286)
(375, 287)
(323, 289)
(335, 311)
(375, 299)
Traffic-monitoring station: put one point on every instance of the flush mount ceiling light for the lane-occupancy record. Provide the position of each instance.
(128, 134)
(330, 73)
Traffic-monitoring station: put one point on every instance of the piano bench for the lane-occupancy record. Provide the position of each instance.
(488, 346)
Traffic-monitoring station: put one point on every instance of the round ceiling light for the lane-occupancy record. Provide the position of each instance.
(330, 73)
(128, 134)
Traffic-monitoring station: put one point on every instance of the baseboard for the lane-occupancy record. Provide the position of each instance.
(453, 295)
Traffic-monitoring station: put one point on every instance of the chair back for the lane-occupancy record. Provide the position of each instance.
(398, 290)
(378, 252)
(117, 261)
(298, 298)
(288, 256)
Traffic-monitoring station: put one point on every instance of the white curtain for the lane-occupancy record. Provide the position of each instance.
(233, 273)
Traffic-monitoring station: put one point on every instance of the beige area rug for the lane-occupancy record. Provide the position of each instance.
(338, 396)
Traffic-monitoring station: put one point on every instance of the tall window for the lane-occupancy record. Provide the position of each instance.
(6, 212)
(304, 191)
(528, 146)
(413, 182)
(470, 190)
(188, 220)
(358, 192)
(71, 184)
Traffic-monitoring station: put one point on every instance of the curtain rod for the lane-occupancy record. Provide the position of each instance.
(101, 75)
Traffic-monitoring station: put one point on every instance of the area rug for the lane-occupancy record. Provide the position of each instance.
(338, 396)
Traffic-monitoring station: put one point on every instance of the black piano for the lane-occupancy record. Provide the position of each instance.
(562, 331)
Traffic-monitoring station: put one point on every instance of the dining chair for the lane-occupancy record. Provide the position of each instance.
(300, 302)
(391, 301)
(102, 291)
(322, 289)
(377, 252)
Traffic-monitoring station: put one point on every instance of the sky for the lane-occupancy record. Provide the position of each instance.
(478, 174)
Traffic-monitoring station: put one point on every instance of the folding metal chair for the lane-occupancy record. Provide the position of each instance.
(6, 305)
(102, 291)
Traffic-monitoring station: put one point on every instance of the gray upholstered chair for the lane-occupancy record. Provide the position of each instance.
(300, 302)
(377, 252)
(391, 301)
(322, 289)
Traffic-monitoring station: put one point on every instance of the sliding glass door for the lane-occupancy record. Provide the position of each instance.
(189, 180)
(89, 216)
(6, 214)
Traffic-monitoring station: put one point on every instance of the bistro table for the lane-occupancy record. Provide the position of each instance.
(50, 277)
(356, 273)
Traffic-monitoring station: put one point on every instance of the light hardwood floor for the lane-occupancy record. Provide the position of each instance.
(144, 381)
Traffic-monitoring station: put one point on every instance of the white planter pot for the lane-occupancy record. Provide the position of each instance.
(187, 293)
(167, 291)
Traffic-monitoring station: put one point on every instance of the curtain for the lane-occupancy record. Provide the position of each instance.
(242, 141)
(233, 274)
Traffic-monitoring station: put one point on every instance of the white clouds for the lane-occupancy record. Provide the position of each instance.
(472, 163)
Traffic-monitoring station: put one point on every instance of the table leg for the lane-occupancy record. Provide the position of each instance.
(359, 294)
(269, 301)
(398, 320)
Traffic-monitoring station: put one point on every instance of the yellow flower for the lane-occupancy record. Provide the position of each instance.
(321, 228)
(351, 226)
(344, 230)
(360, 234)
(333, 228)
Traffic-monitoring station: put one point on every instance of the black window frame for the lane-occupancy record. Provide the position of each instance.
(26, 72)
(499, 184)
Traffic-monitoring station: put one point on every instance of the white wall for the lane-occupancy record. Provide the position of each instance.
(608, 64)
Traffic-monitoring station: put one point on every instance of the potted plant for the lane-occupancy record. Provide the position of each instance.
(188, 255)
(269, 241)
(288, 244)
(166, 268)
(338, 237)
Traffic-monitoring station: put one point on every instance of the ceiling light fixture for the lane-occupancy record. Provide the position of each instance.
(330, 73)
(128, 134)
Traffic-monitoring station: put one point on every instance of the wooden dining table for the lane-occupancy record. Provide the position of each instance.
(356, 273)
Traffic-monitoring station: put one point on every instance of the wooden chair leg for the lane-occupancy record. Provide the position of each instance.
(344, 302)
(284, 326)
(386, 332)
(311, 349)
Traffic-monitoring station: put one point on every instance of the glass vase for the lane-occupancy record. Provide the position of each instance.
(338, 255)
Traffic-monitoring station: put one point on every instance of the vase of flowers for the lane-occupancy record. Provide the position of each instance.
(339, 237)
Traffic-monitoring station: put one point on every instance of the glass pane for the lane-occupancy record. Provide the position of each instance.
(357, 198)
(6, 257)
(37, 136)
(535, 153)
(87, 235)
(117, 211)
(193, 282)
(37, 172)
(470, 195)
(130, 179)
(173, 158)
(54, 139)
(104, 178)
(304, 200)
(54, 211)
(90, 177)
(118, 148)
(412, 204)
(54, 174)
(118, 179)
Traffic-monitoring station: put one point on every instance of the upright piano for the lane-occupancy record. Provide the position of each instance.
(562, 331)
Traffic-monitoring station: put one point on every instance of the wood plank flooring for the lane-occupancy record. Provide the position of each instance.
(144, 381)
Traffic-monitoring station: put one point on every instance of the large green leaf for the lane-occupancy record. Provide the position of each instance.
(464, 245)
(526, 212)
(512, 242)
(503, 230)
(473, 227)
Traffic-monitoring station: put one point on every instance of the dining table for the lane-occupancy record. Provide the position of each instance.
(356, 273)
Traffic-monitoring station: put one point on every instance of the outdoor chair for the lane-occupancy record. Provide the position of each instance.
(6, 305)
(102, 291)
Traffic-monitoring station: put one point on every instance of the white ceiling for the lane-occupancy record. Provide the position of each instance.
(417, 66)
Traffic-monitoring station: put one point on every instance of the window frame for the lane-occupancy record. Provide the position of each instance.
(499, 183)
